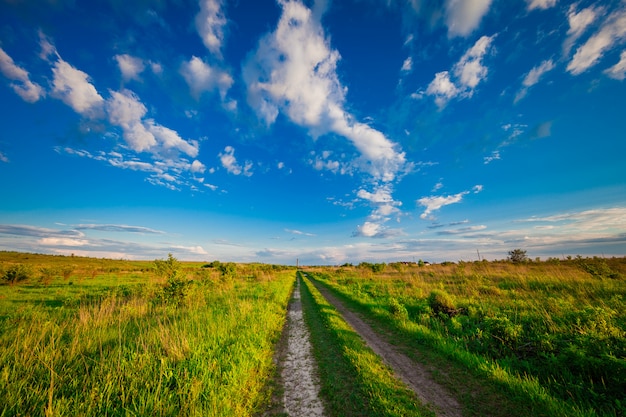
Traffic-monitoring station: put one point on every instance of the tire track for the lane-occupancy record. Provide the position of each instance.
(413, 374)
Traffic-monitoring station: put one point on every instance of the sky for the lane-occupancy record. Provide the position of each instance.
(319, 132)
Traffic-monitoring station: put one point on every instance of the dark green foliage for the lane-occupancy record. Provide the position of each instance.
(175, 288)
(518, 256)
(17, 273)
(227, 269)
(597, 267)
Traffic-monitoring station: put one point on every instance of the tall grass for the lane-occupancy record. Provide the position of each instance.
(124, 352)
(552, 333)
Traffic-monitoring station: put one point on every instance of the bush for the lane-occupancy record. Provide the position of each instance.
(17, 273)
(397, 310)
(441, 302)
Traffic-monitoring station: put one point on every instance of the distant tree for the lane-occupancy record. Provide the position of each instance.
(517, 256)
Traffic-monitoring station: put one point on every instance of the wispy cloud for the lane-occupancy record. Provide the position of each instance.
(464, 16)
(130, 67)
(579, 21)
(299, 232)
(533, 77)
(22, 85)
(434, 203)
(210, 22)
(540, 4)
(117, 228)
(201, 77)
(612, 32)
(618, 71)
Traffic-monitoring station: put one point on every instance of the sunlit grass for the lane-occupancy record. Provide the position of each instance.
(552, 333)
(107, 346)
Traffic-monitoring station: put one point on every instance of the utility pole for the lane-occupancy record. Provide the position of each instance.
(478, 254)
(297, 263)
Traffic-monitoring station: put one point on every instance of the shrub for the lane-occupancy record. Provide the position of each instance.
(397, 310)
(441, 302)
(17, 273)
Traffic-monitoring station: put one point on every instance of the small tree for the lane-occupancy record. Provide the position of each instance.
(518, 256)
(17, 273)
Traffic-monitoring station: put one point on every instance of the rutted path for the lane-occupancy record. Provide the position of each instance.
(300, 381)
(413, 374)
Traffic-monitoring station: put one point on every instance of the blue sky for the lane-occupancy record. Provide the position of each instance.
(324, 131)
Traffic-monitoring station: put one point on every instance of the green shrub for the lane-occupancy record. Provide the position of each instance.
(17, 273)
(441, 302)
(398, 310)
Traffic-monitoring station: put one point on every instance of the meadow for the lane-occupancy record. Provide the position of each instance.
(551, 335)
(85, 336)
(81, 336)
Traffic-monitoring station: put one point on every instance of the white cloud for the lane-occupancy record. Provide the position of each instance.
(130, 66)
(618, 71)
(201, 77)
(126, 111)
(464, 16)
(407, 65)
(442, 88)
(299, 232)
(533, 77)
(612, 32)
(22, 85)
(229, 162)
(294, 71)
(540, 4)
(537, 72)
(495, 155)
(578, 23)
(4, 158)
(73, 87)
(197, 167)
(469, 71)
(170, 139)
(210, 22)
(434, 203)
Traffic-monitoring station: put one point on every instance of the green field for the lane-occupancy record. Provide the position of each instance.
(84, 336)
(552, 335)
(116, 338)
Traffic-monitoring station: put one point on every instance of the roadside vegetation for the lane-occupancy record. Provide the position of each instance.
(355, 381)
(81, 336)
(551, 335)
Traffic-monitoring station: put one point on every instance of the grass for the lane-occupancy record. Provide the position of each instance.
(110, 345)
(552, 335)
(355, 382)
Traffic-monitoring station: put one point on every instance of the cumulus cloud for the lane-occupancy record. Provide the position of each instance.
(618, 71)
(229, 162)
(201, 77)
(468, 72)
(22, 85)
(210, 22)
(464, 16)
(126, 111)
(540, 4)
(73, 87)
(612, 32)
(130, 67)
(383, 208)
(293, 70)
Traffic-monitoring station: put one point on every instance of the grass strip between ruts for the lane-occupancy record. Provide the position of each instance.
(355, 381)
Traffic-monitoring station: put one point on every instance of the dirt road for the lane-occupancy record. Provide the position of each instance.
(412, 373)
